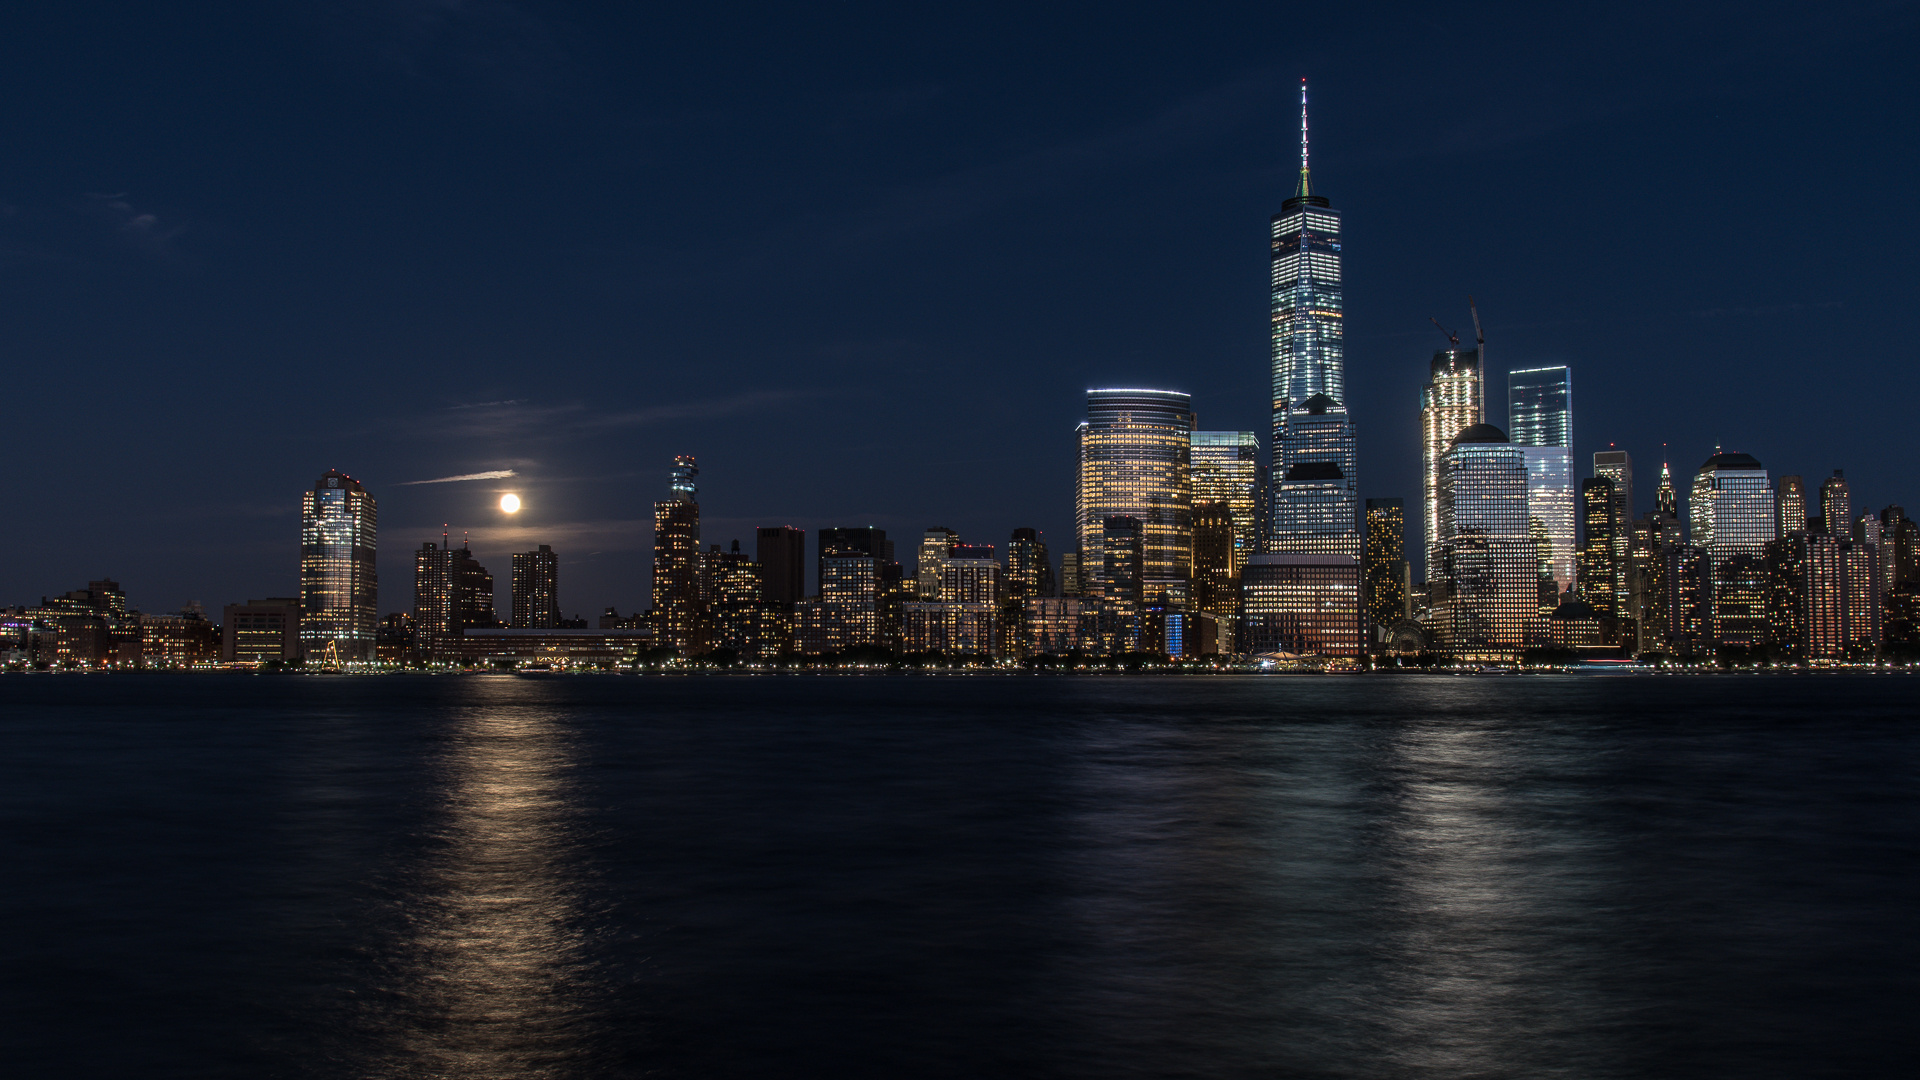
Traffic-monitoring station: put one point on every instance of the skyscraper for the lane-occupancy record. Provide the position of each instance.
(1029, 567)
(1600, 525)
(1489, 568)
(935, 543)
(452, 593)
(1227, 469)
(1216, 562)
(536, 589)
(1665, 500)
(1450, 403)
(1315, 480)
(1730, 510)
(676, 562)
(1135, 461)
(339, 589)
(1540, 419)
(1791, 505)
(1540, 407)
(1617, 466)
(781, 552)
(1836, 506)
(1386, 561)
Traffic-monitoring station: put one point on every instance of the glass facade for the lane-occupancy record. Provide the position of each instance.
(1135, 450)
(1730, 510)
(1450, 403)
(1315, 481)
(1551, 513)
(339, 589)
(1227, 469)
(1540, 407)
(1488, 557)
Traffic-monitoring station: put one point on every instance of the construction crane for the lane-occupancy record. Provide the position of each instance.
(1453, 339)
(1479, 339)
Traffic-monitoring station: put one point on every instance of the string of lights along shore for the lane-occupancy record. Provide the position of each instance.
(1189, 546)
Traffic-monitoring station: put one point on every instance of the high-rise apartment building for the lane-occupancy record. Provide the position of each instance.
(1540, 407)
(1730, 509)
(1450, 403)
(1315, 502)
(1617, 466)
(677, 617)
(1823, 597)
(1836, 506)
(1489, 603)
(1227, 469)
(452, 593)
(536, 589)
(781, 553)
(934, 545)
(1135, 450)
(339, 588)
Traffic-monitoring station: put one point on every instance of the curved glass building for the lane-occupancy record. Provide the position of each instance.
(1135, 449)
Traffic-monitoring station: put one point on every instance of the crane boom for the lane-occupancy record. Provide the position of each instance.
(1479, 339)
(1453, 339)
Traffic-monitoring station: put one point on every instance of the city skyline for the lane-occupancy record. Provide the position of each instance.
(183, 310)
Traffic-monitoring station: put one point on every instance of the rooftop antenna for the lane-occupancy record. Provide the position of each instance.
(1303, 137)
(444, 545)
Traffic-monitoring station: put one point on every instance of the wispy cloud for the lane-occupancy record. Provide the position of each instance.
(495, 474)
(517, 419)
(141, 230)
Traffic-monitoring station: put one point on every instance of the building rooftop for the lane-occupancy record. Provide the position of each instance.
(1480, 433)
(1719, 462)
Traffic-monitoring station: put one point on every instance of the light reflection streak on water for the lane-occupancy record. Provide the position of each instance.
(1485, 965)
(496, 966)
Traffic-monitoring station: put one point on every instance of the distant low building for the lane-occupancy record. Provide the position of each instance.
(259, 631)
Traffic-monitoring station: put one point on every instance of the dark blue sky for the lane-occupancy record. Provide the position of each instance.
(863, 260)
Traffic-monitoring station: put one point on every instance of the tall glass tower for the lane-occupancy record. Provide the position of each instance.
(339, 590)
(1540, 419)
(1316, 491)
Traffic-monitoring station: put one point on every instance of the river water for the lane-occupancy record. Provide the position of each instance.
(944, 875)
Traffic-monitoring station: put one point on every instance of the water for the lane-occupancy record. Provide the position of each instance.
(235, 876)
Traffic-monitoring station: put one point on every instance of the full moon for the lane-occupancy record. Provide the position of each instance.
(510, 504)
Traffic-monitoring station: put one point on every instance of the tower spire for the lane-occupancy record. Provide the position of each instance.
(1303, 138)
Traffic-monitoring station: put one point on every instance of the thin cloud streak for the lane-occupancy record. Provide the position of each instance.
(496, 474)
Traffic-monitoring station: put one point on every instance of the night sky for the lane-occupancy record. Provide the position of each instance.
(863, 261)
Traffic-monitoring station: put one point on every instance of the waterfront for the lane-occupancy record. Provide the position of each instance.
(489, 876)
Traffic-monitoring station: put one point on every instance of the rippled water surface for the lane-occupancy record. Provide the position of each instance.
(233, 876)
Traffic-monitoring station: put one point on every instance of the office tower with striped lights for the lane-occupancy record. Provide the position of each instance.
(1135, 454)
(339, 587)
(1315, 467)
